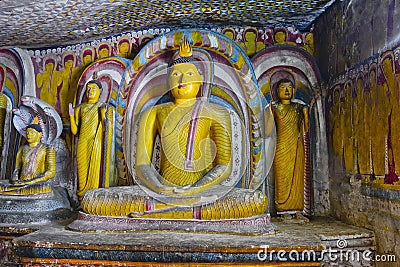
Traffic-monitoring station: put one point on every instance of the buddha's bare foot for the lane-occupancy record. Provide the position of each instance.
(293, 217)
(135, 214)
(285, 217)
(167, 190)
(180, 190)
(300, 218)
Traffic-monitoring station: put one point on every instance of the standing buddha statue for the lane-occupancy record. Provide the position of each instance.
(93, 123)
(290, 156)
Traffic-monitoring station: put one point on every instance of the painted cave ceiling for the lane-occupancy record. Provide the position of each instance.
(49, 23)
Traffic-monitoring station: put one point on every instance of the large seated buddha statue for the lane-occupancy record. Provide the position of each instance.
(188, 155)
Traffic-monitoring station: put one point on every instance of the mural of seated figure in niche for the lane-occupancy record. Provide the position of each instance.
(104, 50)
(124, 47)
(196, 157)
(87, 57)
(291, 161)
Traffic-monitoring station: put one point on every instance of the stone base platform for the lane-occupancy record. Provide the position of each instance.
(35, 208)
(322, 241)
(258, 225)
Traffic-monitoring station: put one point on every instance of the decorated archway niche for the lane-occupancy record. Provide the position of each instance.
(293, 60)
(225, 110)
(229, 81)
(271, 65)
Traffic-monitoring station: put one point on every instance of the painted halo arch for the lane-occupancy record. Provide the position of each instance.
(145, 85)
(299, 61)
(110, 72)
(18, 79)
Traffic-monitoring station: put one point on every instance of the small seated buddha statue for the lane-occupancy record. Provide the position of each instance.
(35, 164)
(195, 159)
(36, 190)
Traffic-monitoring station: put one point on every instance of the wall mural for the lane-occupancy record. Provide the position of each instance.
(364, 106)
(55, 66)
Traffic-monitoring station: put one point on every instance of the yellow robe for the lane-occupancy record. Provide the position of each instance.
(94, 147)
(289, 158)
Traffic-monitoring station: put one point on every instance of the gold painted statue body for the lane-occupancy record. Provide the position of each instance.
(93, 121)
(289, 163)
(195, 138)
(35, 164)
(172, 123)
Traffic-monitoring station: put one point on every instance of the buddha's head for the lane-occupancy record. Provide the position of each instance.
(93, 91)
(49, 64)
(33, 134)
(185, 81)
(87, 57)
(184, 78)
(285, 89)
(69, 61)
(123, 46)
(280, 37)
(103, 50)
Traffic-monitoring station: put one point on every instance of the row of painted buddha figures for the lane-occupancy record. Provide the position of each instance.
(195, 155)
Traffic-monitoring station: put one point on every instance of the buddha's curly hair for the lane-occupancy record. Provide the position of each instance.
(95, 82)
(34, 126)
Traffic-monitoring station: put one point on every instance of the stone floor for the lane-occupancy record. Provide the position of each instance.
(322, 241)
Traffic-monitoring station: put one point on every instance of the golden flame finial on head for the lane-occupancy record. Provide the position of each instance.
(35, 125)
(95, 75)
(184, 55)
(185, 49)
(35, 120)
